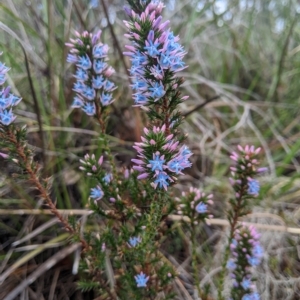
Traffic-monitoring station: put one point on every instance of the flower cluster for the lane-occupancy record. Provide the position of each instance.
(245, 186)
(7, 99)
(246, 253)
(93, 88)
(156, 57)
(160, 158)
(195, 204)
(94, 168)
(246, 167)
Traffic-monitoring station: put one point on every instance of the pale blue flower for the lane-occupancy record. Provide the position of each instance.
(246, 283)
(79, 87)
(7, 117)
(141, 280)
(96, 193)
(161, 180)
(99, 66)
(139, 85)
(253, 187)
(106, 99)
(89, 93)
(84, 62)
(253, 261)
(138, 59)
(89, 108)
(77, 102)
(201, 208)
(100, 51)
(140, 99)
(258, 251)
(133, 241)
(165, 61)
(231, 265)
(109, 86)
(157, 90)
(107, 178)
(157, 163)
(81, 74)
(98, 82)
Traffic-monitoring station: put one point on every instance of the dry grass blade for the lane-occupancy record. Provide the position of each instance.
(30, 255)
(48, 264)
(183, 289)
(36, 232)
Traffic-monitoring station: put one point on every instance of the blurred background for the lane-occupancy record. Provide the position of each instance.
(243, 81)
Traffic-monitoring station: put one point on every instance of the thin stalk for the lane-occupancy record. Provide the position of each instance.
(10, 136)
(153, 219)
(195, 261)
(110, 157)
(233, 223)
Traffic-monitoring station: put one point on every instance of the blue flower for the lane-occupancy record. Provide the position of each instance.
(231, 265)
(138, 59)
(98, 82)
(179, 163)
(152, 49)
(94, 3)
(185, 150)
(7, 117)
(255, 296)
(109, 86)
(175, 166)
(201, 208)
(161, 180)
(14, 99)
(100, 51)
(157, 163)
(81, 74)
(253, 261)
(247, 297)
(133, 241)
(253, 187)
(246, 283)
(140, 99)
(252, 296)
(89, 108)
(157, 72)
(165, 61)
(234, 242)
(89, 93)
(99, 66)
(135, 70)
(77, 102)
(173, 46)
(106, 99)
(84, 62)
(79, 87)
(3, 71)
(141, 280)
(96, 193)
(71, 58)
(139, 85)
(107, 178)
(5, 101)
(258, 251)
(177, 64)
(157, 91)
